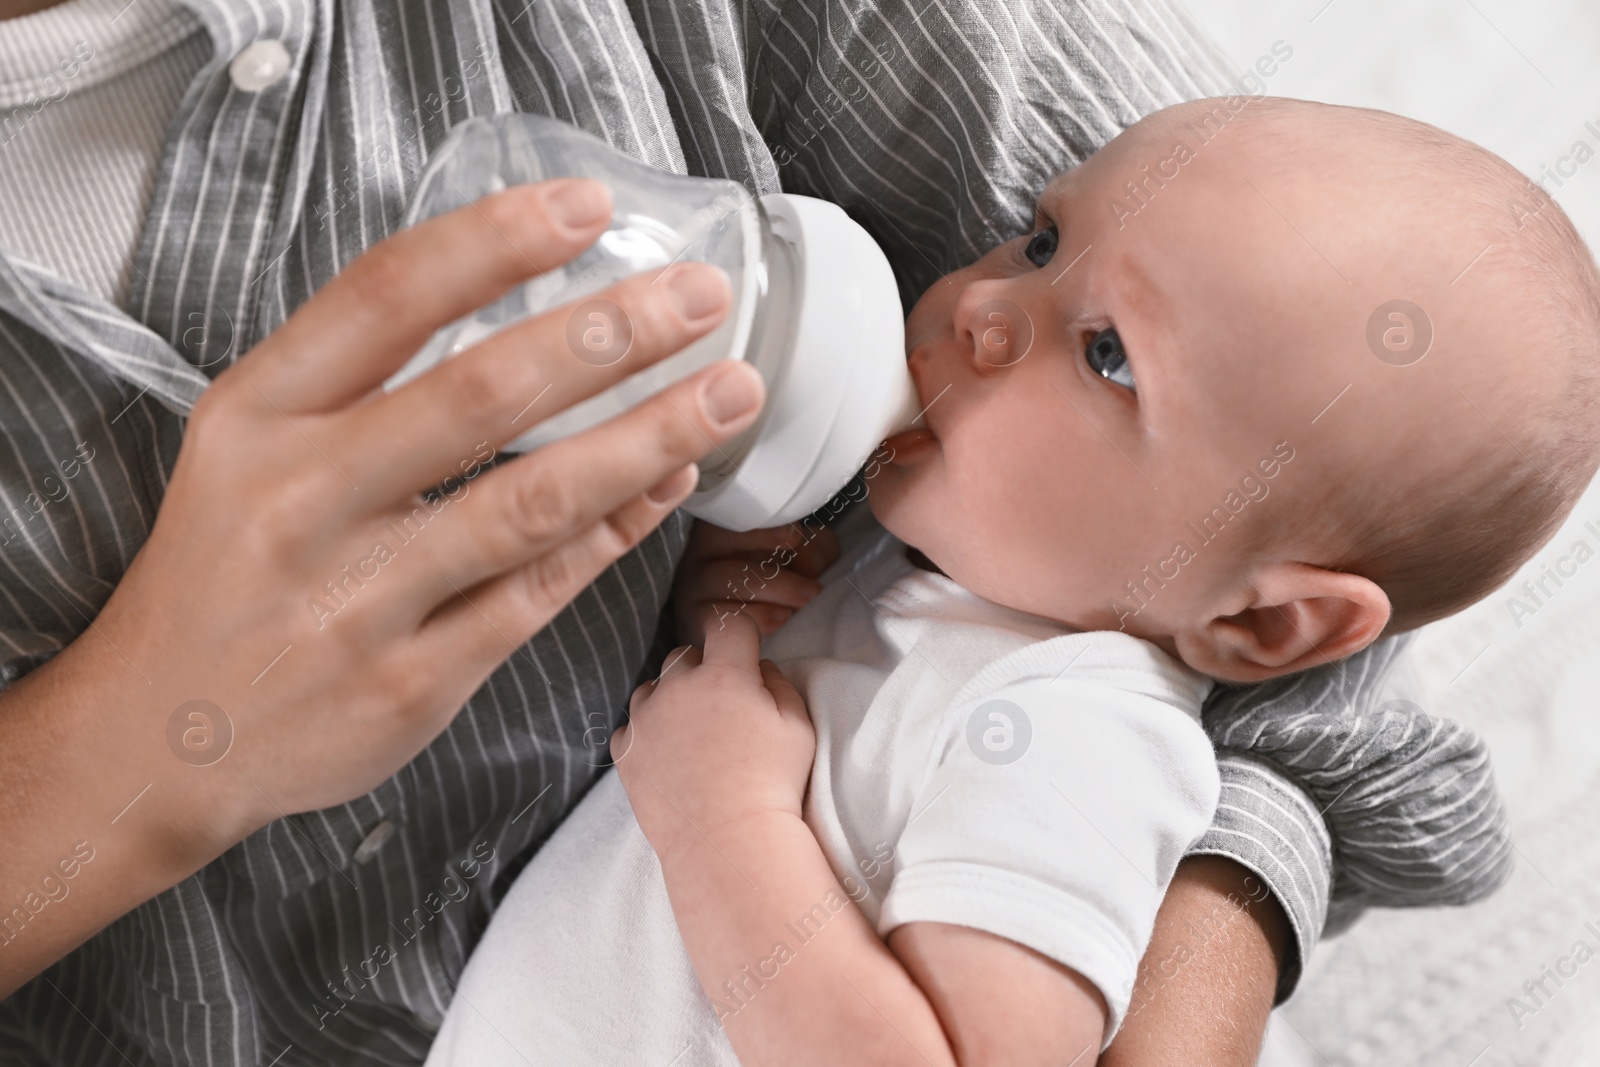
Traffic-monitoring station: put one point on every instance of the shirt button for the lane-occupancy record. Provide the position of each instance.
(259, 65)
(374, 841)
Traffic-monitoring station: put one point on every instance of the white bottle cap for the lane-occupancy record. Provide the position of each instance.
(843, 390)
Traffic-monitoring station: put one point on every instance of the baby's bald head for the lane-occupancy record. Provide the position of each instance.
(1496, 431)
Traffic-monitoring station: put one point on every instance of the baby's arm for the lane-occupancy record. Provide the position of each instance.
(715, 761)
(1001, 1002)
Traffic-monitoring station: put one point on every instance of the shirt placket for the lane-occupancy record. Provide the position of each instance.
(229, 168)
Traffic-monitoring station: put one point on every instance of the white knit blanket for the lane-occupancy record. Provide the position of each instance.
(1446, 986)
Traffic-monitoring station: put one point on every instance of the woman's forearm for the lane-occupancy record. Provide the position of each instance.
(1207, 981)
(794, 971)
(99, 815)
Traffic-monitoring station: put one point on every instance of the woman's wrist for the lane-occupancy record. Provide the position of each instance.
(1206, 983)
(101, 814)
(147, 766)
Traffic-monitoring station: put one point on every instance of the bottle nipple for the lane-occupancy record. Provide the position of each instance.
(843, 386)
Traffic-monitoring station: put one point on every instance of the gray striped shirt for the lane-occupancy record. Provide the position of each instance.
(933, 122)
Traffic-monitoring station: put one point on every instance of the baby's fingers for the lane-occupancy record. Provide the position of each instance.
(738, 579)
(681, 658)
(784, 694)
(806, 549)
(621, 740)
(817, 553)
(734, 643)
(769, 618)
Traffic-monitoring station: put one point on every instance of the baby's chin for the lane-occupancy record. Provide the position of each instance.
(888, 505)
(883, 510)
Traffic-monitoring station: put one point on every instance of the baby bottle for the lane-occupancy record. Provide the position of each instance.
(815, 310)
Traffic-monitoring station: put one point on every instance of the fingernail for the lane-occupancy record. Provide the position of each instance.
(673, 485)
(698, 289)
(578, 203)
(732, 393)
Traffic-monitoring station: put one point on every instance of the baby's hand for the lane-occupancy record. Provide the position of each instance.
(766, 575)
(718, 737)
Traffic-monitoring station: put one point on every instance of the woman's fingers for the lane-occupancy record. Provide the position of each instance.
(486, 622)
(531, 507)
(498, 389)
(364, 324)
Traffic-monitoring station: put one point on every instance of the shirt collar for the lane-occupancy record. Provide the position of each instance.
(72, 46)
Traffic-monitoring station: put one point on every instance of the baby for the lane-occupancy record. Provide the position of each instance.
(1259, 388)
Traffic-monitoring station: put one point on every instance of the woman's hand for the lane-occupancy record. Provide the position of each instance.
(295, 475)
(301, 622)
(720, 736)
(765, 575)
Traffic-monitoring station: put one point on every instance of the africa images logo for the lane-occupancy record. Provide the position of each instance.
(999, 732)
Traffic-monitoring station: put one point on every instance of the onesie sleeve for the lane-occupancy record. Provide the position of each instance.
(1055, 818)
(1340, 796)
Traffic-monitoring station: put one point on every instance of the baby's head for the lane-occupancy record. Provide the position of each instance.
(1262, 385)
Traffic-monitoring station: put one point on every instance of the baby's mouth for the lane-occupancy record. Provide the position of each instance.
(909, 445)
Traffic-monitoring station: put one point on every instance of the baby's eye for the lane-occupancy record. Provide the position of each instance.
(1041, 246)
(1107, 359)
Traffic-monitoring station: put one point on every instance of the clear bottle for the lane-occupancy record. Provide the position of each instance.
(815, 310)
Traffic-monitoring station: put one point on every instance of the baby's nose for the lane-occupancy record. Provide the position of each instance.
(998, 330)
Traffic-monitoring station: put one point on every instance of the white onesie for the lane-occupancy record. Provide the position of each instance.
(975, 765)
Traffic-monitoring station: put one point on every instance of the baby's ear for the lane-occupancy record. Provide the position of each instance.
(1298, 616)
